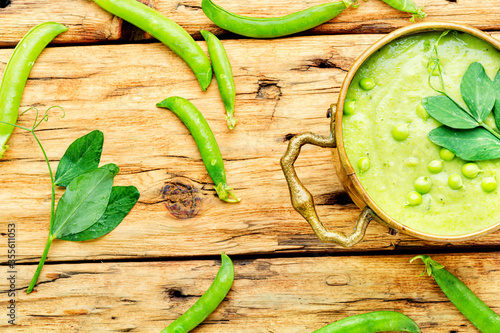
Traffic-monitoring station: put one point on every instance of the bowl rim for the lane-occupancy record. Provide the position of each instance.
(346, 164)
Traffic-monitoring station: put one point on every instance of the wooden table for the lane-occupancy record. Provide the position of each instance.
(108, 75)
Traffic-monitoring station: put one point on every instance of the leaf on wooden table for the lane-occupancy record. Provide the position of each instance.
(121, 201)
(83, 203)
(477, 91)
(471, 145)
(81, 156)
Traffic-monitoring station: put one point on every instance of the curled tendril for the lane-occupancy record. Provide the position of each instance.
(45, 116)
(434, 64)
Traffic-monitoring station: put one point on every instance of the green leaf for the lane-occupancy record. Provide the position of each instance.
(121, 201)
(81, 156)
(83, 203)
(447, 112)
(471, 145)
(477, 91)
(496, 110)
(111, 167)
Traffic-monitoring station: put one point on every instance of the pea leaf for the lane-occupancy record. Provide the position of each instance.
(81, 156)
(447, 112)
(496, 110)
(121, 201)
(471, 145)
(111, 167)
(477, 91)
(83, 203)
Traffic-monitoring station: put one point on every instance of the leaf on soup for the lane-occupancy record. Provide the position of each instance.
(477, 91)
(471, 145)
(81, 156)
(121, 201)
(447, 112)
(83, 203)
(496, 110)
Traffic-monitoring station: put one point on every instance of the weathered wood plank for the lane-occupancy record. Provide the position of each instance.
(269, 295)
(372, 16)
(86, 21)
(89, 23)
(283, 87)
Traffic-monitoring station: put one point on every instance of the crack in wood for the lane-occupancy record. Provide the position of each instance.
(189, 7)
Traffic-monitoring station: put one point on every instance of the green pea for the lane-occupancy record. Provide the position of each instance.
(363, 164)
(400, 132)
(446, 154)
(367, 83)
(349, 107)
(489, 184)
(422, 112)
(470, 170)
(455, 181)
(422, 185)
(435, 166)
(413, 199)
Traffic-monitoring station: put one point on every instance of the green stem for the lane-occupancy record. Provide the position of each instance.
(491, 130)
(40, 264)
(53, 200)
(50, 238)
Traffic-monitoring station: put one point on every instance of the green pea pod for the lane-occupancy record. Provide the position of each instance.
(273, 27)
(16, 74)
(223, 74)
(407, 6)
(208, 302)
(478, 313)
(166, 31)
(371, 322)
(205, 140)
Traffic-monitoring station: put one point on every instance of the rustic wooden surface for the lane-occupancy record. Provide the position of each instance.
(154, 265)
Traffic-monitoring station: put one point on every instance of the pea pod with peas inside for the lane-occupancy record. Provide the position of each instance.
(208, 302)
(166, 31)
(16, 74)
(223, 74)
(272, 27)
(205, 140)
(476, 311)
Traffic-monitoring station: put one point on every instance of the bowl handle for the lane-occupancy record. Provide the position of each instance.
(302, 199)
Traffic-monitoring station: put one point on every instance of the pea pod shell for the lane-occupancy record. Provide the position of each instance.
(223, 74)
(166, 31)
(471, 306)
(407, 6)
(205, 140)
(273, 27)
(208, 302)
(371, 322)
(17, 71)
(202, 134)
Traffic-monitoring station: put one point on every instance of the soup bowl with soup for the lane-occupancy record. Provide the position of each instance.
(379, 138)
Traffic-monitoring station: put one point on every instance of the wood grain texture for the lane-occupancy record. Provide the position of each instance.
(89, 23)
(85, 20)
(283, 87)
(372, 16)
(296, 295)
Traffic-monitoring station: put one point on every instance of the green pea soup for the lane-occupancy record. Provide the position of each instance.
(387, 125)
